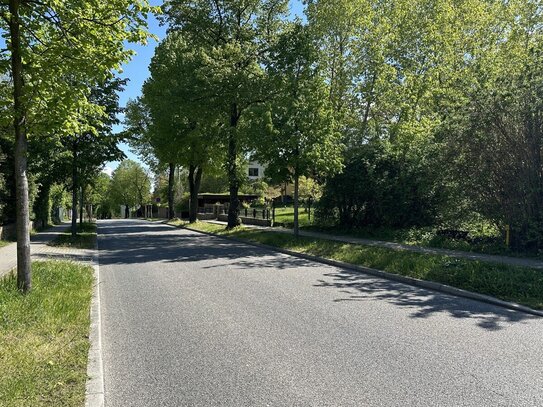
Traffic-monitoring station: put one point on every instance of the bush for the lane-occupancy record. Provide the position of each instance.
(258, 203)
(380, 188)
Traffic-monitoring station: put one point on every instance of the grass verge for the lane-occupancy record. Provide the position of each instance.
(85, 238)
(44, 336)
(509, 283)
(4, 243)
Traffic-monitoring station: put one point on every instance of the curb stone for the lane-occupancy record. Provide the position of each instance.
(94, 394)
(430, 285)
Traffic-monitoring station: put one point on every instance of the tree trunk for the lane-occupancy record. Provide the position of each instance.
(81, 206)
(74, 189)
(296, 203)
(233, 176)
(195, 179)
(171, 182)
(24, 272)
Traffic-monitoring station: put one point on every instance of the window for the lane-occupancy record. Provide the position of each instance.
(253, 172)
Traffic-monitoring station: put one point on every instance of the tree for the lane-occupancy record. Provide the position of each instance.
(96, 145)
(97, 195)
(302, 139)
(494, 130)
(149, 144)
(3, 189)
(59, 200)
(232, 39)
(130, 185)
(65, 45)
(167, 122)
(390, 73)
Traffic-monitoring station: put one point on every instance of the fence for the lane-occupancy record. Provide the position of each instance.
(250, 216)
(248, 220)
(255, 213)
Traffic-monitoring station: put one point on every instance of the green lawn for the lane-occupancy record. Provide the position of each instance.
(4, 243)
(285, 216)
(44, 336)
(509, 283)
(85, 239)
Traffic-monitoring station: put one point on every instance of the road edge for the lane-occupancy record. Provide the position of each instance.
(94, 393)
(430, 285)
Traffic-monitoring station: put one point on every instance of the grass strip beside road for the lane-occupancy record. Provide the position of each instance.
(522, 285)
(4, 243)
(44, 336)
(85, 238)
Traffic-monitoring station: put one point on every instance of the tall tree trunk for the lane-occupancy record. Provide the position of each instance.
(193, 207)
(195, 179)
(24, 272)
(171, 183)
(296, 202)
(233, 176)
(75, 183)
(81, 205)
(197, 183)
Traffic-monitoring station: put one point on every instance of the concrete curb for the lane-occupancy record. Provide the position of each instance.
(388, 276)
(94, 394)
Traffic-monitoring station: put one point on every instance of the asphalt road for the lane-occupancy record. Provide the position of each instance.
(193, 320)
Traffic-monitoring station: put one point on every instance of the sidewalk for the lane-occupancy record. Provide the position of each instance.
(513, 261)
(40, 250)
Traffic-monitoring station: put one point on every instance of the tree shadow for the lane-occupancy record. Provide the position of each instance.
(131, 226)
(423, 303)
(175, 245)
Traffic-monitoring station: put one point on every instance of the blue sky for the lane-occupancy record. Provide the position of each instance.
(137, 69)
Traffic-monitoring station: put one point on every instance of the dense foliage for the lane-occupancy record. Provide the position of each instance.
(440, 105)
(379, 188)
(130, 185)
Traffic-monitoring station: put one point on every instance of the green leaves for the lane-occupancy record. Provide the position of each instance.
(171, 122)
(69, 47)
(301, 137)
(130, 185)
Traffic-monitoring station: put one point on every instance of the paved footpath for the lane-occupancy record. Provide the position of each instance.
(513, 261)
(195, 320)
(41, 251)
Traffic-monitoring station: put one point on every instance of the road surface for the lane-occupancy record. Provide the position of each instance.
(194, 320)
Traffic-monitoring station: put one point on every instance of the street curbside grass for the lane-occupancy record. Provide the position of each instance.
(44, 336)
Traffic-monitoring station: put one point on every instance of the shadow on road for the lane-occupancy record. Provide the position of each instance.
(424, 303)
(163, 244)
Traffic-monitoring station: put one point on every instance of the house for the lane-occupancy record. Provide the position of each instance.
(255, 170)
